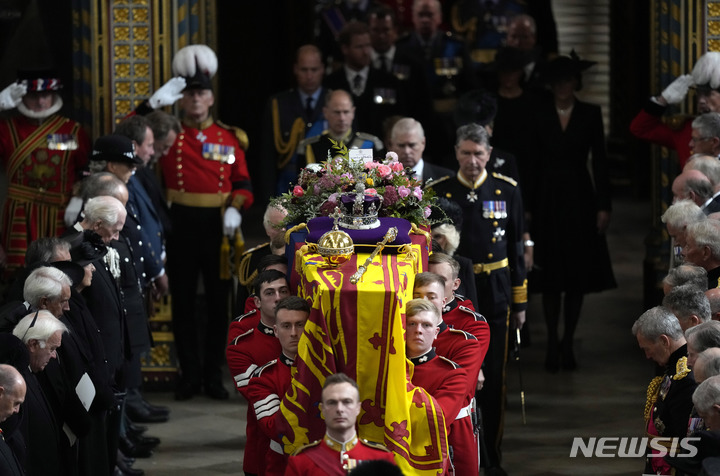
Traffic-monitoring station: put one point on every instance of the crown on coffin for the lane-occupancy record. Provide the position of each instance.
(360, 210)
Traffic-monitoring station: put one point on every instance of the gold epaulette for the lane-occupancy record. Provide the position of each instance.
(455, 366)
(681, 369)
(373, 444)
(509, 180)
(240, 134)
(243, 271)
(304, 447)
(431, 183)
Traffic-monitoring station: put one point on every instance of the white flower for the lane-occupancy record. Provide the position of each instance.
(392, 156)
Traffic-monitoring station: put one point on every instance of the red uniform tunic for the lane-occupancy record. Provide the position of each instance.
(648, 126)
(328, 457)
(246, 353)
(265, 391)
(461, 317)
(446, 382)
(42, 162)
(197, 164)
(240, 325)
(464, 349)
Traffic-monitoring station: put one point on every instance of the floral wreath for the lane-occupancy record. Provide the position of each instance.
(320, 186)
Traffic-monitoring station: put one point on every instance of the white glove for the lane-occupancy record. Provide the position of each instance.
(231, 221)
(11, 96)
(677, 90)
(168, 93)
(72, 211)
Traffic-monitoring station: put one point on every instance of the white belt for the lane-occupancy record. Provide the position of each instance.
(465, 412)
(276, 447)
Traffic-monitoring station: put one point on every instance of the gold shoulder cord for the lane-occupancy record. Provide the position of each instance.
(652, 393)
(286, 149)
(467, 29)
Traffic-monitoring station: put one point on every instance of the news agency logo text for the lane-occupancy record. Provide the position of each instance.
(633, 447)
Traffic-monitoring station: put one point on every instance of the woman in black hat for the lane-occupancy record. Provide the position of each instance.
(570, 208)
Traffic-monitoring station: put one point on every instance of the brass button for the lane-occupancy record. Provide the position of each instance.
(498, 192)
(494, 239)
(495, 223)
(179, 166)
(490, 255)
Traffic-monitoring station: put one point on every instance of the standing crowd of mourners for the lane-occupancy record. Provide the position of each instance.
(476, 104)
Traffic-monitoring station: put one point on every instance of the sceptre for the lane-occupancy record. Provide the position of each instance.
(389, 238)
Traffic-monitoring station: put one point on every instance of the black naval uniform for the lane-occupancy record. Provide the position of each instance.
(315, 149)
(492, 238)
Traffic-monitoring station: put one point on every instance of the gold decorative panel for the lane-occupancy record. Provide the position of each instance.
(132, 56)
(712, 26)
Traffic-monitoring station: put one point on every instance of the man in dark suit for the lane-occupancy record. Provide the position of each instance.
(42, 334)
(376, 93)
(290, 116)
(12, 395)
(408, 142)
(408, 70)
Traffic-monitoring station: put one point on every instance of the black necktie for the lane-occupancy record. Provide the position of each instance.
(357, 84)
(384, 63)
(309, 107)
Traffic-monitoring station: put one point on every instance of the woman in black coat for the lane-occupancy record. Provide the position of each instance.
(571, 206)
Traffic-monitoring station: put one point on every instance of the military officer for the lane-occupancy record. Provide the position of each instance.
(669, 396)
(291, 116)
(339, 112)
(340, 450)
(446, 67)
(43, 154)
(492, 238)
(208, 185)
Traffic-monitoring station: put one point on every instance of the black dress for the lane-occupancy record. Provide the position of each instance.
(570, 254)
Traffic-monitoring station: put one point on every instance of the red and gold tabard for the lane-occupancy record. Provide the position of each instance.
(42, 161)
(206, 167)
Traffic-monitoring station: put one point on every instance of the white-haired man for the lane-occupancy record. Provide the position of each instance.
(669, 400)
(702, 248)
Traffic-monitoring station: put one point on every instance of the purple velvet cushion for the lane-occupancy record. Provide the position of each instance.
(367, 239)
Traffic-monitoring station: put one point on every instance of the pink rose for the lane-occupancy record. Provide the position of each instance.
(384, 170)
(396, 166)
(298, 191)
(403, 191)
(392, 156)
(371, 191)
(370, 164)
(417, 192)
(333, 198)
(427, 212)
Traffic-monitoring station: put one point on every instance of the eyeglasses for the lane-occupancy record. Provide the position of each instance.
(31, 324)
